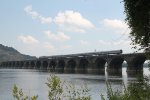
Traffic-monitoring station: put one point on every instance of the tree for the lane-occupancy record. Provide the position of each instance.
(138, 19)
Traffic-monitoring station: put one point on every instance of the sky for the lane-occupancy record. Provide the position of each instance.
(58, 27)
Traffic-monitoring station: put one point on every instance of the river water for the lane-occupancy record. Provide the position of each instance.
(33, 82)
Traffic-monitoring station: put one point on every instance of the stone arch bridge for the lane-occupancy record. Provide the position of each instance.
(92, 62)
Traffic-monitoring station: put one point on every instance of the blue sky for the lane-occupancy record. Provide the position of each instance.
(54, 27)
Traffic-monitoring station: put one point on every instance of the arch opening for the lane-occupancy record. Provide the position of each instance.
(100, 63)
(116, 62)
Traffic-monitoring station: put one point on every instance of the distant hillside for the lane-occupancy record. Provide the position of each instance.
(11, 54)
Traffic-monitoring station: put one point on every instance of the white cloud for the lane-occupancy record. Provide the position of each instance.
(35, 15)
(66, 47)
(115, 43)
(49, 47)
(116, 25)
(28, 39)
(28, 10)
(83, 42)
(60, 36)
(122, 42)
(102, 42)
(45, 20)
(72, 21)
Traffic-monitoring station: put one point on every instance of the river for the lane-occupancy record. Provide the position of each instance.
(33, 82)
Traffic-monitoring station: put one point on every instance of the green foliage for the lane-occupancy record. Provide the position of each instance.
(138, 19)
(19, 95)
(55, 88)
(138, 90)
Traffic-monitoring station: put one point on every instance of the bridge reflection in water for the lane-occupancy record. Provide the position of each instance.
(85, 63)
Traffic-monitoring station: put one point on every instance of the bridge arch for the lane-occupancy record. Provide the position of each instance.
(44, 65)
(38, 64)
(98, 66)
(82, 65)
(70, 66)
(32, 64)
(60, 66)
(52, 65)
(116, 62)
(115, 66)
(100, 62)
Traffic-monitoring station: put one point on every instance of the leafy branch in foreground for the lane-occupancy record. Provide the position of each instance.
(137, 90)
(19, 95)
(55, 88)
(61, 90)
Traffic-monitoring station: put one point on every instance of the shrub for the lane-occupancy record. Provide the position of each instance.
(58, 90)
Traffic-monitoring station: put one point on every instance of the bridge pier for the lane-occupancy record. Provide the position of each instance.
(135, 65)
(134, 70)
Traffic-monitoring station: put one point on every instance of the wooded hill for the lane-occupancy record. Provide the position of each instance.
(11, 54)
